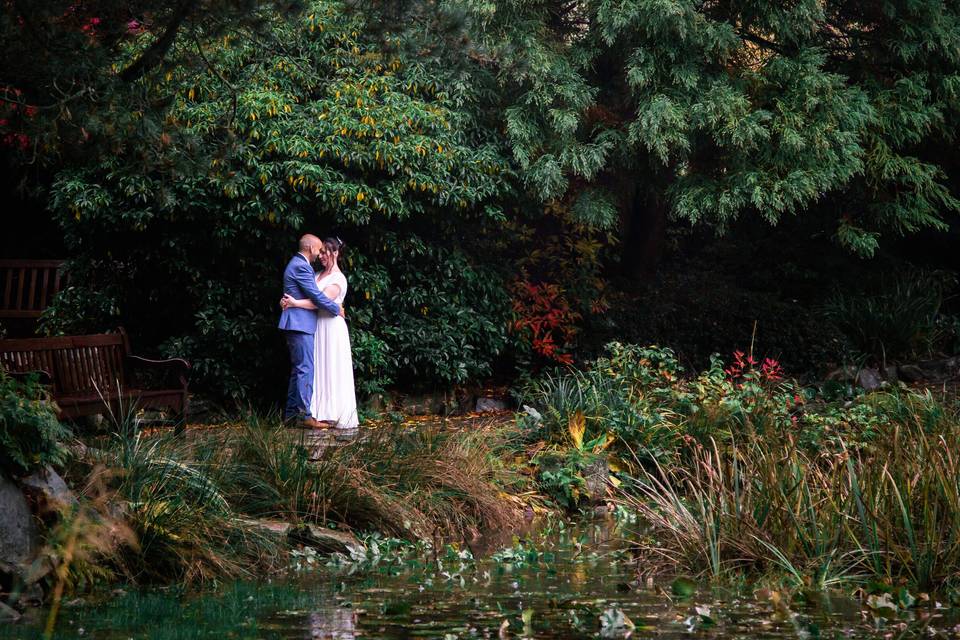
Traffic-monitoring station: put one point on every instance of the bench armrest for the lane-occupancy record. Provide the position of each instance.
(169, 361)
(43, 375)
(169, 366)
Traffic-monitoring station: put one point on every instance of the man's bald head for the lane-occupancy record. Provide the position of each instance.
(308, 242)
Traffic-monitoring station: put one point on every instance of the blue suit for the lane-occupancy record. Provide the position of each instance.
(299, 325)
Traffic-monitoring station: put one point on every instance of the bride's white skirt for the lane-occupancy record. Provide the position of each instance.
(333, 394)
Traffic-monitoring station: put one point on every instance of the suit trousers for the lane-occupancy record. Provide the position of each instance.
(300, 388)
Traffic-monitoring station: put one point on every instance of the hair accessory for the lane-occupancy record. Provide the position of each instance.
(339, 241)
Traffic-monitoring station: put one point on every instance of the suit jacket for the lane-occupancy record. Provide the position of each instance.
(300, 282)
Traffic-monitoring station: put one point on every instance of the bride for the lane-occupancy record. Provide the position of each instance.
(333, 400)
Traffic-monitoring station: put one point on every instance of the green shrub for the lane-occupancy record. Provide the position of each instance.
(30, 434)
(185, 237)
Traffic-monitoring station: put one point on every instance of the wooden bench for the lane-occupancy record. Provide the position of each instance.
(29, 286)
(89, 374)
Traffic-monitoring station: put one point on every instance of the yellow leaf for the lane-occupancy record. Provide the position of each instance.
(190, 93)
(576, 426)
(272, 216)
(360, 197)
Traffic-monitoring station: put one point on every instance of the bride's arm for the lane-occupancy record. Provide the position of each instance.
(331, 291)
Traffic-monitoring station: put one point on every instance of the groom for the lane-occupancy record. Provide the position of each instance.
(299, 325)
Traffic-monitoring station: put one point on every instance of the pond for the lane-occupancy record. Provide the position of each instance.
(561, 581)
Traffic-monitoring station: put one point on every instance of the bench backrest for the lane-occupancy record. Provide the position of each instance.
(78, 364)
(28, 286)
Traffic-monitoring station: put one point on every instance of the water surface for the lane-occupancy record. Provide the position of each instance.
(561, 582)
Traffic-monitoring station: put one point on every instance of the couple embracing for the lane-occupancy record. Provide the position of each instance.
(320, 394)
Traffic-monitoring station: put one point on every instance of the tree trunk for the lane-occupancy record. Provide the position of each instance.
(644, 233)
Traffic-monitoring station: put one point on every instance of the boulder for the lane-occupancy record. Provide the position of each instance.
(869, 379)
(378, 403)
(910, 373)
(324, 540)
(491, 404)
(425, 405)
(18, 534)
(8, 613)
(939, 370)
(596, 476)
(843, 374)
(277, 529)
(47, 491)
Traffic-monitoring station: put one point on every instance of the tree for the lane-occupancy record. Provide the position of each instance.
(66, 62)
(705, 111)
(231, 149)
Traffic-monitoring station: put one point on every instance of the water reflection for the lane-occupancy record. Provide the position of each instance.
(570, 582)
(335, 623)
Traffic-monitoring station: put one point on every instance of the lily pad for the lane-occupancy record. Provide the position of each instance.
(683, 587)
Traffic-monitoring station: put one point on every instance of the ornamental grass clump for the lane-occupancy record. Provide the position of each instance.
(185, 528)
(404, 482)
(202, 508)
(885, 508)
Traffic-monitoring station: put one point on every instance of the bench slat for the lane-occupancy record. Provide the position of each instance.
(7, 289)
(43, 290)
(31, 301)
(86, 372)
(28, 287)
(62, 342)
(21, 279)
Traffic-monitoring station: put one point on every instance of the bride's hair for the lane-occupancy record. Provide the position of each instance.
(334, 244)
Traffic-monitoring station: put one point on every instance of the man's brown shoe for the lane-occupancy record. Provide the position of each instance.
(312, 423)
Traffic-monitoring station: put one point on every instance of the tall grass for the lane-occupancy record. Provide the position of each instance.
(402, 481)
(193, 504)
(900, 321)
(887, 510)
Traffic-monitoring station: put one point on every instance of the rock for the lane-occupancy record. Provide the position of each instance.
(890, 373)
(18, 535)
(930, 370)
(910, 373)
(47, 490)
(78, 449)
(378, 403)
(324, 540)
(869, 379)
(270, 528)
(8, 613)
(596, 476)
(425, 405)
(940, 370)
(843, 374)
(491, 404)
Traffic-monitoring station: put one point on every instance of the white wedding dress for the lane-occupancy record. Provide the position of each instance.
(333, 395)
